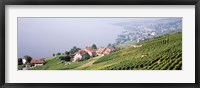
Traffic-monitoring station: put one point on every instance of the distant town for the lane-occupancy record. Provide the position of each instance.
(137, 32)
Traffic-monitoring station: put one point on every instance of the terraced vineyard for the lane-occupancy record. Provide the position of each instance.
(162, 53)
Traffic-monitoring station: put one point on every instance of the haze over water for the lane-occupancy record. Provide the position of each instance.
(41, 37)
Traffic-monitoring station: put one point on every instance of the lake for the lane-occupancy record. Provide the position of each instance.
(41, 37)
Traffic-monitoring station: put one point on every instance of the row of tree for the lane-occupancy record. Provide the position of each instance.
(72, 51)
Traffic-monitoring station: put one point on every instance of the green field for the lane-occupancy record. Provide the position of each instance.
(20, 67)
(161, 53)
(56, 64)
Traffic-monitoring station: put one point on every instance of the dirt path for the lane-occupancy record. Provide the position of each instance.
(89, 63)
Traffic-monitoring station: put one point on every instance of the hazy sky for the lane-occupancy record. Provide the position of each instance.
(41, 37)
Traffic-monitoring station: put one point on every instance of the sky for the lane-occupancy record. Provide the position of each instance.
(41, 37)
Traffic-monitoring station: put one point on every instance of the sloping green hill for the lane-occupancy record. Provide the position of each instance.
(161, 53)
(55, 64)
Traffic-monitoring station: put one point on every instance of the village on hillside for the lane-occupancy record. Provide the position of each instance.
(75, 55)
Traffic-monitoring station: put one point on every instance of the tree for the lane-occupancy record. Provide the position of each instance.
(94, 46)
(28, 58)
(109, 45)
(20, 61)
(113, 46)
(58, 54)
(66, 53)
(74, 50)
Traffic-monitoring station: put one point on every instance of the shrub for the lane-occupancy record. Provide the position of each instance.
(65, 58)
(59, 57)
(20, 61)
(86, 56)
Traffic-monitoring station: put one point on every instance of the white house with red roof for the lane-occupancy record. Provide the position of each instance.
(90, 51)
(39, 62)
(103, 51)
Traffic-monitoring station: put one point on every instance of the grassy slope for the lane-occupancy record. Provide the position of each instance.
(56, 64)
(162, 53)
(89, 63)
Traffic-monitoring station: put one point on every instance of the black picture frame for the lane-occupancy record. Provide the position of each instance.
(99, 2)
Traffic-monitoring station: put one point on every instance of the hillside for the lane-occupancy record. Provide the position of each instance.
(161, 53)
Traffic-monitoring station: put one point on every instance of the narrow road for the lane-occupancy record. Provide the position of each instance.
(89, 63)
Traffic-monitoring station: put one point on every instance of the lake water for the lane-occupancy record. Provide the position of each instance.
(41, 37)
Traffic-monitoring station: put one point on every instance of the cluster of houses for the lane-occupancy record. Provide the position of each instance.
(78, 56)
(92, 52)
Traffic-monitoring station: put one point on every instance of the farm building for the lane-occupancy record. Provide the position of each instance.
(102, 51)
(77, 57)
(39, 62)
(90, 51)
(109, 50)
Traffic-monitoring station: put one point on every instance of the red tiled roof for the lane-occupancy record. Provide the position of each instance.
(41, 61)
(107, 50)
(89, 49)
(100, 50)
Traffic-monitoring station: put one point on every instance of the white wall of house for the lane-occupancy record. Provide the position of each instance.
(24, 61)
(90, 53)
(38, 65)
(77, 57)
